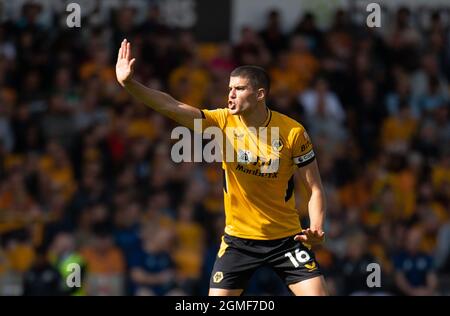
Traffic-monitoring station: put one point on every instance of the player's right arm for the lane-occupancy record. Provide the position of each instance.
(157, 100)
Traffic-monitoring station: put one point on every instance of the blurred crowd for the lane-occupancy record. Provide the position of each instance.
(86, 175)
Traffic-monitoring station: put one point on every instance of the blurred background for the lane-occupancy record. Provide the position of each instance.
(86, 175)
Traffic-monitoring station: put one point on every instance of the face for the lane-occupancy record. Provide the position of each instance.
(413, 240)
(242, 96)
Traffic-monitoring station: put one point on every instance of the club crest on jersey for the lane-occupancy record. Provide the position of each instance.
(244, 156)
(277, 144)
(218, 276)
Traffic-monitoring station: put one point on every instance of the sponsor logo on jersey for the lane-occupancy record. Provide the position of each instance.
(311, 266)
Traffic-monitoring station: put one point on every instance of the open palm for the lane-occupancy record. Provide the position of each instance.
(124, 65)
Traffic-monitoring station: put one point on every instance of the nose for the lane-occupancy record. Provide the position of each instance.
(232, 94)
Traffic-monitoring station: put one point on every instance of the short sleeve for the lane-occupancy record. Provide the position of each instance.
(302, 148)
(217, 117)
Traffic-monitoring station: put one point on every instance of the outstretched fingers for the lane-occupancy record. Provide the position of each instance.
(128, 49)
(124, 50)
(120, 54)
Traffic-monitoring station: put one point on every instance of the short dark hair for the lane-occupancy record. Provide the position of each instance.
(257, 76)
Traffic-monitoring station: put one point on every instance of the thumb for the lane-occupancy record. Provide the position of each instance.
(132, 63)
(300, 238)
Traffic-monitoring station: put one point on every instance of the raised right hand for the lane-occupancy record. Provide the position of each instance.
(124, 66)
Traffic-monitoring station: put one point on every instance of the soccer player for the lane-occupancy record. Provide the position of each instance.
(262, 223)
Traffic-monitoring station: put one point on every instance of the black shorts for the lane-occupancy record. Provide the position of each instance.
(239, 258)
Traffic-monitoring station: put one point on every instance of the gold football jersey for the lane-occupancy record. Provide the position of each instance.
(258, 166)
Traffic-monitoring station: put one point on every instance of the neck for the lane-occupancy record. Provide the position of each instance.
(256, 116)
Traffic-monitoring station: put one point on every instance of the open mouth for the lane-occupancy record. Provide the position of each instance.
(231, 105)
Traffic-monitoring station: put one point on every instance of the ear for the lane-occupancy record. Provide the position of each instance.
(261, 94)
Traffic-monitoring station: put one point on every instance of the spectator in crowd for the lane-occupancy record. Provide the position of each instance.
(42, 278)
(414, 271)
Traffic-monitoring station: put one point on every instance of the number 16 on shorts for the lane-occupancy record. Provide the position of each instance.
(301, 256)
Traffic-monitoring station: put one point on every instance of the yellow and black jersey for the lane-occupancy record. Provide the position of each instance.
(258, 181)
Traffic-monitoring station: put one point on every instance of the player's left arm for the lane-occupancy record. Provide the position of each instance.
(316, 205)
